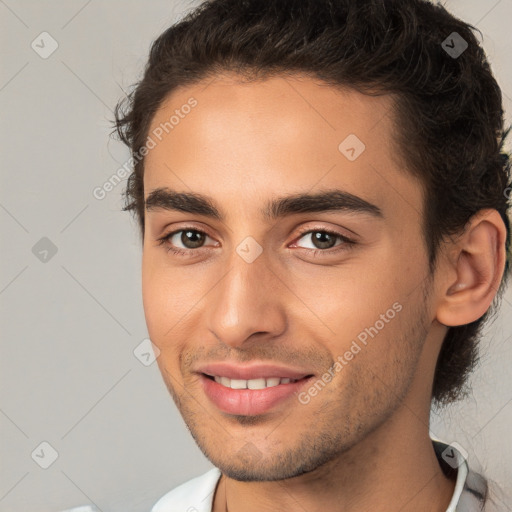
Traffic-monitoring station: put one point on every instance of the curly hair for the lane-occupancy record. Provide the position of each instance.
(447, 109)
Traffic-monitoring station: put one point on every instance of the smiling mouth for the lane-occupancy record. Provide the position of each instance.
(255, 384)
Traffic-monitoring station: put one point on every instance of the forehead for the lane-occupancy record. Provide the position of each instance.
(299, 107)
(249, 139)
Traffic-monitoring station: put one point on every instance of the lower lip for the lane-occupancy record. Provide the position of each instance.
(249, 402)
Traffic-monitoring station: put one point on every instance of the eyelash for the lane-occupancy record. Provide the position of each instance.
(346, 245)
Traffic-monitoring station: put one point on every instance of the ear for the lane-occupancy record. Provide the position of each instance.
(473, 271)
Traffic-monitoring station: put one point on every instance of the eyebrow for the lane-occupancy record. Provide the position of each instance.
(164, 198)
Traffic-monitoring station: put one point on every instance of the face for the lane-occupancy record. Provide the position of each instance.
(290, 327)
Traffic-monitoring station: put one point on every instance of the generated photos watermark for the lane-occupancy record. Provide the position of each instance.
(152, 140)
(342, 360)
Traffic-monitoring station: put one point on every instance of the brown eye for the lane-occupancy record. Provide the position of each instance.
(324, 240)
(191, 239)
(184, 241)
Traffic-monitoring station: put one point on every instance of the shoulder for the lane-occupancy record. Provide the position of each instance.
(196, 495)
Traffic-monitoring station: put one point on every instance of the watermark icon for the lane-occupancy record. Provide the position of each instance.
(45, 455)
(454, 455)
(146, 352)
(454, 45)
(351, 147)
(507, 192)
(249, 454)
(44, 250)
(44, 45)
(342, 360)
(248, 249)
(152, 140)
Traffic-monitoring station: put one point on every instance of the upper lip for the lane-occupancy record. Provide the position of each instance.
(250, 371)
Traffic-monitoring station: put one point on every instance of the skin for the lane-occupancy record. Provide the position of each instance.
(363, 441)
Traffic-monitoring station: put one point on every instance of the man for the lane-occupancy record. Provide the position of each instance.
(322, 199)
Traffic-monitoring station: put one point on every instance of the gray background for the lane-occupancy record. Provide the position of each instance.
(71, 323)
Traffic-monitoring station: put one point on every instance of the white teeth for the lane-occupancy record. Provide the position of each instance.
(274, 381)
(252, 383)
(238, 384)
(256, 384)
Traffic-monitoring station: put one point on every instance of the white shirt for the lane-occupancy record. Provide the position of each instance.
(196, 495)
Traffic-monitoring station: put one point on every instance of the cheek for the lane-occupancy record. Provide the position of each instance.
(153, 301)
(379, 363)
(171, 298)
(161, 303)
(163, 329)
(372, 315)
(351, 304)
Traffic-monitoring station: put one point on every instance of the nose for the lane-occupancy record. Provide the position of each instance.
(245, 302)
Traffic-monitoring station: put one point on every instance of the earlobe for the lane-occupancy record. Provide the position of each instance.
(479, 265)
